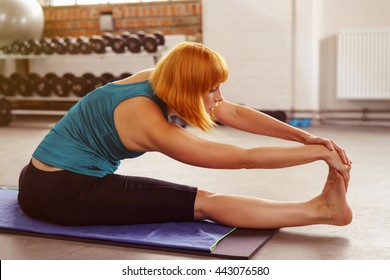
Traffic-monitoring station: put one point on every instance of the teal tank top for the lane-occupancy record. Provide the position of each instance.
(85, 140)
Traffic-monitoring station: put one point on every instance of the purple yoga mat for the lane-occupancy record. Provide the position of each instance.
(199, 236)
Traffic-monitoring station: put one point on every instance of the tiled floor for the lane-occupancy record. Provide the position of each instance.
(369, 194)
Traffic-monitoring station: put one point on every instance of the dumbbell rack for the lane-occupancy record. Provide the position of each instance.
(55, 105)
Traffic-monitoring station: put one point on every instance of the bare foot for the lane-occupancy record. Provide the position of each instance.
(335, 206)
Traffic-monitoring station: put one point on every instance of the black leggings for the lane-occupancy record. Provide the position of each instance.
(68, 198)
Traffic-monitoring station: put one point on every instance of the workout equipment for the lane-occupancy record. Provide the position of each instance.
(21, 85)
(24, 48)
(96, 82)
(68, 77)
(124, 75)
(72, 85)
(50, 78)
(84, 45)
(47, 46)
(60, 87)
(39, 85)
(150, 43)
(107, 77)
(92, 81)
(15, 47)
(59, 45)
(20, 20)
(6, 86)
(279, 115)
(72, 45)
(118, 45)
(160, 37)
(305, 122)
(52, 84)
(133, 42)
(97, 44)
(201, 238)
(5, 112)
(79, 87)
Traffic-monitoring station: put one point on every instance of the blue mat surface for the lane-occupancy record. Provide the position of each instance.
(198, 236)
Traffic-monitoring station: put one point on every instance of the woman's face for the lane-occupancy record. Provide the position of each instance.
(211, 98)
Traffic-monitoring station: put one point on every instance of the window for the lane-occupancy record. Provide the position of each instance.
(92, 2)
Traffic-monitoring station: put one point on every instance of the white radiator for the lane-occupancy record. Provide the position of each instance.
(363, 64)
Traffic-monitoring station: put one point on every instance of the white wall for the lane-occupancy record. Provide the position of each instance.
(254, 36)
(333, 15)
(282, 53)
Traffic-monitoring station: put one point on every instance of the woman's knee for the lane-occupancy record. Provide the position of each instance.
(202, 201)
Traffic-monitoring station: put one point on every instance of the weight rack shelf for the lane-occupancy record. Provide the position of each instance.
(54, 105)
(108, 53)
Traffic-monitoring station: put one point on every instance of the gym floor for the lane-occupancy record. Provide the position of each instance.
(366, 238)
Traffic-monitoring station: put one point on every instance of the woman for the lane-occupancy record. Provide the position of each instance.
(70, 179)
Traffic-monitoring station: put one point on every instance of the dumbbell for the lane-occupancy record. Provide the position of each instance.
(160, 37)
(141, 35)
(84, 45)
(15, 47)
(5, 112)
(76, 85)
(79, 86)
(124, 75)
(72, 45)
(7, 49)
(133, 42)
(107, 38)
(150, 43)
(97, 44)
(30, 47)
(107, 77)
(39, 85)
(6, 86)
(49, 78)
(25, 48)
(35, 46)
(47, 46)
(116, 42)
(21, 85)
(59, 45)
(68, 77)
(93, 82)
(58, 86)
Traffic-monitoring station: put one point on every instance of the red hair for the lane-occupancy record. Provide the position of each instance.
(182, 77)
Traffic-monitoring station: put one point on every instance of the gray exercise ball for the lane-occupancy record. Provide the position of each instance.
(20, 20)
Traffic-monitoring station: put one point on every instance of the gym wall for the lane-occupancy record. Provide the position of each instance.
(254, 36)
(282, 53)
(173, 17)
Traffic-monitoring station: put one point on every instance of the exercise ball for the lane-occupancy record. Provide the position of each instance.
(20, 20)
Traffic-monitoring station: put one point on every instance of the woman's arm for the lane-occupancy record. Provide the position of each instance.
(250, 120)
(149, 131)
(179, 144)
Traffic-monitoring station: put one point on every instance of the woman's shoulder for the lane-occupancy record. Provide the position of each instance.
(141, 76)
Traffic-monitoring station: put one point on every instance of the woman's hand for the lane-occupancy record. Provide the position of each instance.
(336, 156)
(332, 158)
(331, 145)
